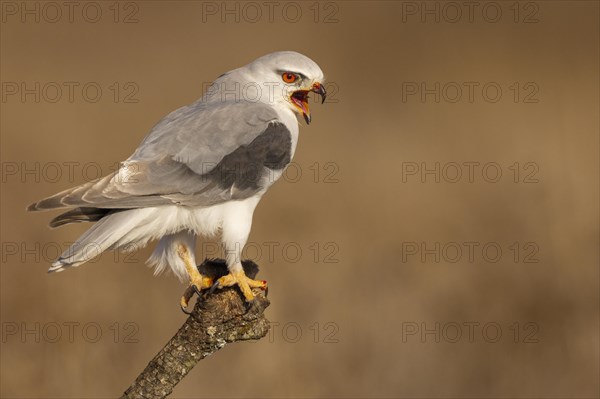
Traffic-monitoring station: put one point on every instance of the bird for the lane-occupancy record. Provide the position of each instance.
(200, 171)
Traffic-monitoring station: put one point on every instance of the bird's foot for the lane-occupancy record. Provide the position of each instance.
(240, 279)
(197, 284)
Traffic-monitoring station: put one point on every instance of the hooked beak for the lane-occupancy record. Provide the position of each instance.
(300, 99)
(320, 90)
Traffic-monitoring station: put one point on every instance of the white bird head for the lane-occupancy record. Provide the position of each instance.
(282, 78)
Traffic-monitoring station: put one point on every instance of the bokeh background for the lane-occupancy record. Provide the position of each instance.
(370, 297)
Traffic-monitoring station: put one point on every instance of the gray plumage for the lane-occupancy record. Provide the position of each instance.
(181, 161)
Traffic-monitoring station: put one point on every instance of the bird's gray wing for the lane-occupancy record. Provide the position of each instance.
(199, 155)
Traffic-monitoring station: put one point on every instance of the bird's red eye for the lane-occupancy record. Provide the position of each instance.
(289, 77)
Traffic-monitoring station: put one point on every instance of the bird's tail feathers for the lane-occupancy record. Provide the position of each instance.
(108, 233)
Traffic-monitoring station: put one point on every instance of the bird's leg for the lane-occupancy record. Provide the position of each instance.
(198, 282)
(235, 231)
(237, 277)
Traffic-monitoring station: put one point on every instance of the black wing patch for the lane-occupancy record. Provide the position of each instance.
(245, 167)
(81, 214)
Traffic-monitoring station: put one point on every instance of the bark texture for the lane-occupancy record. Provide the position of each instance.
(216, 320)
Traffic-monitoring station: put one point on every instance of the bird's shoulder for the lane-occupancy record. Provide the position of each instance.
(207, 126)
(203, 116)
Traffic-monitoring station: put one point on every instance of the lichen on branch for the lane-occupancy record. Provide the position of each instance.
(216, 320)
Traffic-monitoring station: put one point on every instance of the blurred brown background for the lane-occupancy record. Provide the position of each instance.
(364, 258)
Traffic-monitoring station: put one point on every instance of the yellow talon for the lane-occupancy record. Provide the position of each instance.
(245, 283)
(196, 285)
(198, 282)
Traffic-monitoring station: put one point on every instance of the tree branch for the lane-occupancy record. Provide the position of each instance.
(216, 320)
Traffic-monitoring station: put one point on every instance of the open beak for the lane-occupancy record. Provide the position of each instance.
(300, 99)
